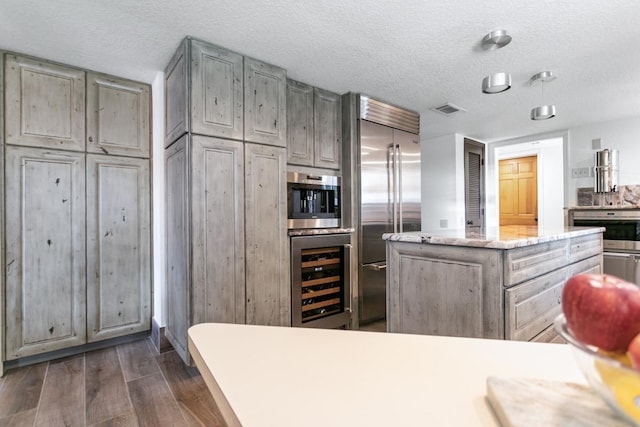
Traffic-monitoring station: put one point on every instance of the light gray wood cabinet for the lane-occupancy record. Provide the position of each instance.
(213, 91)
(118, 246)
(2, 245)
(45, 104)
(177, 245)
(265, 103)
(481, 292)
(444, 290)
(118, 115)
(327, 128)
(299, 123)
(58, 231)
(45, 244)
(268, 292)
(205, 235)
(204, 92)
(314, 126)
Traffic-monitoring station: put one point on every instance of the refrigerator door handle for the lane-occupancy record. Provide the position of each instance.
(391, 173)
(399, 164)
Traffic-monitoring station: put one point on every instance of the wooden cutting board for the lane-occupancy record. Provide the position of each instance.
(528, 402)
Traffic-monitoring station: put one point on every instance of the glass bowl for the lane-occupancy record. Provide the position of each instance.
(607, 373)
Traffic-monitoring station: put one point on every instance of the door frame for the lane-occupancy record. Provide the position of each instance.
(471, 145)
(549, 147)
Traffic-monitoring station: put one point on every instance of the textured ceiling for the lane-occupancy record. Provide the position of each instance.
(416, 53)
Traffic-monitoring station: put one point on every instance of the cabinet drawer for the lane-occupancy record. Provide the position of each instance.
(531, 261)
(549, 335)
(531, 306)
(584, 247)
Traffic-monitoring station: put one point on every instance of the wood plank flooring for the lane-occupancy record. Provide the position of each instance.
(127, 385)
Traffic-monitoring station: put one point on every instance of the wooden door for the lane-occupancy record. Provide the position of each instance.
(299, 123)
(118, 116)
(268, 294)
(177, 246)
(518, 191)
(45, 250)
(217, 180)
(265, 103)
(45, 104)
(327, 125)
(216, 91)
(118, 246)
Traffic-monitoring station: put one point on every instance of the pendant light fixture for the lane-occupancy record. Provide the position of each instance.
(496, 82)
(542, 112)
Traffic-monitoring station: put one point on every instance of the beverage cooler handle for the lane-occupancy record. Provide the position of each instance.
(391, 164)
(399, 164)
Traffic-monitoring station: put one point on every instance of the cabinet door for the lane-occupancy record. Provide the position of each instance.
(265, 98)
(117, 116)
(176, 120)
(299, 123)
(216, 92)
(118, 246)
(218, 230)
(267, 245)
(45, 232)
(327, 125)
(44, 104)
(177, 246)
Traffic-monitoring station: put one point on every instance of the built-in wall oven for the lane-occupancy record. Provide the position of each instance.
(320, 280)
(621, 240)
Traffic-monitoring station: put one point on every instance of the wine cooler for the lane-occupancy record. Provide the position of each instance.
(320, 280)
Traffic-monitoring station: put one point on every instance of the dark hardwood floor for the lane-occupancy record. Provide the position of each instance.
(127, 385)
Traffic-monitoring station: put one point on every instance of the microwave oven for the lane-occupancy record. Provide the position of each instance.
(313, 201)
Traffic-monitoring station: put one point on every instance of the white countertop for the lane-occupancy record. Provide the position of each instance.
(279, 376)
(504, 237)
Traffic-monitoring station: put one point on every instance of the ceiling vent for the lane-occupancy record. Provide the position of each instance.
(448, 109)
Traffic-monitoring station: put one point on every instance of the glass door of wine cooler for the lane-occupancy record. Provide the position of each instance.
(320, 280)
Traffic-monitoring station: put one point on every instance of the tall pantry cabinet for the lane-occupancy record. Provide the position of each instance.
(225, 170)
(77, 213)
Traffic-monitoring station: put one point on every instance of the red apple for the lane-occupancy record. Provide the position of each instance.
(634, 352)
(602, 310)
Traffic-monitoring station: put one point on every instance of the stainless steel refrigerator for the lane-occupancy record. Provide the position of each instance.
(387, 157)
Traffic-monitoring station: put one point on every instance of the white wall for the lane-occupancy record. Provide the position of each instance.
(442, 182)
(157, 167)
(622, 135)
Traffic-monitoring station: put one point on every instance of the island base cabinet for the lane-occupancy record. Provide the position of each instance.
(479, 292)
(45, 244)
(531, 307)
(441, 290)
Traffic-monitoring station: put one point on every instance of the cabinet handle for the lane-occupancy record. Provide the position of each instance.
(375, 267)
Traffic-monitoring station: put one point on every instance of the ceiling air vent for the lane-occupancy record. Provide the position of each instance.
(448, 109)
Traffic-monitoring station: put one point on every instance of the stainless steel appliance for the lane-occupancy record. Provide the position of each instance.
(606, 171)
(320, 280)
(387, 184)
(621, 240)
(313, 200)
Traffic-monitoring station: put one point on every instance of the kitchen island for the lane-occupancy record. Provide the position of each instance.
(504, 283)
(278, 376)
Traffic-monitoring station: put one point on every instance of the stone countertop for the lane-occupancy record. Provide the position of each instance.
(603, 207)
(505, 237)
(319, 231)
